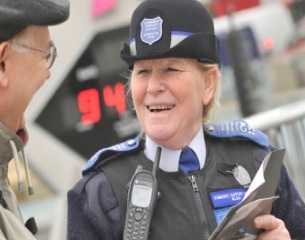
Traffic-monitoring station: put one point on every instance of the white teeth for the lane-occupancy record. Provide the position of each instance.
(160, 107)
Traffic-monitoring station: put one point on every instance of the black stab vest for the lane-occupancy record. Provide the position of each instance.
(181, 213)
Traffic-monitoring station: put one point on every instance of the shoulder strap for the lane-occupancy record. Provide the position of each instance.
(237, 129)
(131, 145)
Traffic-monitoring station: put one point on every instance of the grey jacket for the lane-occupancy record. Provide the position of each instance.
(11, 221)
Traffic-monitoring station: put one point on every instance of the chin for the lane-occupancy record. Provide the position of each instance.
(158, 134)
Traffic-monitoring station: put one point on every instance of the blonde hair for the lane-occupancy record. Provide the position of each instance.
(214, 104)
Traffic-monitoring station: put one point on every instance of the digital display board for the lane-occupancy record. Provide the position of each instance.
(89, 110)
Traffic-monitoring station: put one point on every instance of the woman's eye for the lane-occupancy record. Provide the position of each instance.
(142, 71)
(172, 70)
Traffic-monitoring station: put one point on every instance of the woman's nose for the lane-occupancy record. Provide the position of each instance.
(155, 83)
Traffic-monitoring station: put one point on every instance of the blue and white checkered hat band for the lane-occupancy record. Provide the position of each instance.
(176, 38)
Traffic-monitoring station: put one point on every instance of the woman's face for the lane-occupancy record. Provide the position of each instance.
(169, 95)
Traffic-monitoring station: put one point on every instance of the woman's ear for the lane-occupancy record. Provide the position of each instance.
(3, 55)
(210, 78)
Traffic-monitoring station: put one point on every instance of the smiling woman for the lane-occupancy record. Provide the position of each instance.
(171, 94)
(174, 55)
(206, 68)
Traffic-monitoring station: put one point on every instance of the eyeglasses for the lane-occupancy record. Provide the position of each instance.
(49, 55)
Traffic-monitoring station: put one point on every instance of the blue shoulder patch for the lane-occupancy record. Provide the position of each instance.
(238, 128)
(99, 156)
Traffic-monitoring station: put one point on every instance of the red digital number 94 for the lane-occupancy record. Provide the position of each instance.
(89, 103)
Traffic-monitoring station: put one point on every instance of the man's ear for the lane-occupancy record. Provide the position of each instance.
(3, 55)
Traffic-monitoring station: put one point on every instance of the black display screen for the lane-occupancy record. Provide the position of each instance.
(89, 110)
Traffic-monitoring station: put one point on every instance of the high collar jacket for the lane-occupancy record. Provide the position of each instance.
(11, 221)
(6, 154)
(97, 203)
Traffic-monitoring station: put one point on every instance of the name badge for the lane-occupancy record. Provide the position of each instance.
(220, 215)
(228, 197)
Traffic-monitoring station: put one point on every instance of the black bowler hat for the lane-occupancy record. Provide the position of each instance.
(16, 15)
(171, 28)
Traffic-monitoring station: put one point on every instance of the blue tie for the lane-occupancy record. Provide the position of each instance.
(188, 161)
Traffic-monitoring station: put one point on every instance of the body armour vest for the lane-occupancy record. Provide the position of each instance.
(190, 205)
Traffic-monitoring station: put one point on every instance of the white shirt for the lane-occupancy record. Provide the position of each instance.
(169, 161)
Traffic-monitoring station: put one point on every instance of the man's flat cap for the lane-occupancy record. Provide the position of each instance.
(16, 15)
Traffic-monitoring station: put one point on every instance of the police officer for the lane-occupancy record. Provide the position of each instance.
(26, 56)
(174, 83)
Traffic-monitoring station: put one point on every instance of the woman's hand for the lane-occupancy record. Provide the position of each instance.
(274, 228)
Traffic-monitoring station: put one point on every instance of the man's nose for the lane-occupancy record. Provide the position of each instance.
(48, 73)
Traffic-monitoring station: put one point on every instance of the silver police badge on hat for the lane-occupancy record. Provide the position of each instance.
(151, 30)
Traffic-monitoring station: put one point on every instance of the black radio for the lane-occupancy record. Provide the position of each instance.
(142, 197)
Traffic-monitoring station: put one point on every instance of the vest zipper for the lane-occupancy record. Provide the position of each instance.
(199, 204)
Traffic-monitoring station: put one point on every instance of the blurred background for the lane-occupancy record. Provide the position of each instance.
(83, 108)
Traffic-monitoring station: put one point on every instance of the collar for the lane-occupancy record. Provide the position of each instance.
(6, 135)
(169, 161)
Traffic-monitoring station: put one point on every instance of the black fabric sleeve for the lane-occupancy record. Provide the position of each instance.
(93, 211)
(290, 207)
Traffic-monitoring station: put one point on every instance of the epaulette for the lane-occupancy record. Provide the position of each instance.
(124, 147)
(237, 128)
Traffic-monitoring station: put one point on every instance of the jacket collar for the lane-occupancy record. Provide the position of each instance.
(6, 153)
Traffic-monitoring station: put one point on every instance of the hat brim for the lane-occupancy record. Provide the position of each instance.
(204, 47)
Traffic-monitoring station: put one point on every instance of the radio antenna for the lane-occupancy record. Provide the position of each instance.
(157, 160)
